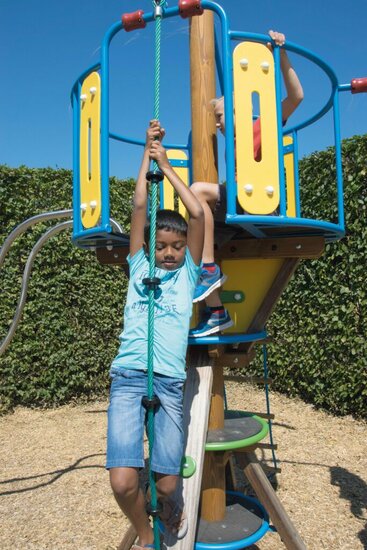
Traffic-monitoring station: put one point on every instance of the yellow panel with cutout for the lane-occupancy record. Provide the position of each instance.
(90, 168)
(183, 172)
(253, 277)
(257, 180)
(290, 183)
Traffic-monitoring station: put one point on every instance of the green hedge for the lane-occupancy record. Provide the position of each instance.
(68, 333)
(320, 324)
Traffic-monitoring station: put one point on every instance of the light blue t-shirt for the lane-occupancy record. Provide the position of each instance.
(173, 309)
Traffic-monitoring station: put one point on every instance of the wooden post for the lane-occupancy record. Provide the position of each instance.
(204, 163)
(202, 73)
(128, 540)
(213, 497)
(271, 502)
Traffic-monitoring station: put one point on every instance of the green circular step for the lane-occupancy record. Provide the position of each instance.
(241, 429)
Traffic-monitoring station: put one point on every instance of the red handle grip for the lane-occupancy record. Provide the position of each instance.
(132, 21)
(359, 85)
(189, 8)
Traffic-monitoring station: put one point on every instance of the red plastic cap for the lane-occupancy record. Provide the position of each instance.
(132, 21)
(359, 85)
(189, 8)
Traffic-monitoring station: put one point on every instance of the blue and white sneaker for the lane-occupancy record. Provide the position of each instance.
(211, 323)
(208, 281)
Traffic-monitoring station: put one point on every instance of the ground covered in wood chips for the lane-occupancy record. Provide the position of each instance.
(55, 492)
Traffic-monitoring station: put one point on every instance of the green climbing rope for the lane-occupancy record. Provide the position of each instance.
(152, 244)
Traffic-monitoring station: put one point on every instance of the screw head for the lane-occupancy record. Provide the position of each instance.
(244, 63)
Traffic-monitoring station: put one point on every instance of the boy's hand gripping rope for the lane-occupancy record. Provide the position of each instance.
(151, 401)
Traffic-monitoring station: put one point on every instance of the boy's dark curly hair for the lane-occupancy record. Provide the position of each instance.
(168, 220)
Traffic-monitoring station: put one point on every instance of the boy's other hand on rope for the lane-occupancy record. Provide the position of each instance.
(158, 153)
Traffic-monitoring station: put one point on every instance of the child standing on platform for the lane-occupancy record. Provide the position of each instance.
(178, 255)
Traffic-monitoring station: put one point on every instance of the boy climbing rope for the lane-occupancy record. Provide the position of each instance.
(178, 254)
(212, 197)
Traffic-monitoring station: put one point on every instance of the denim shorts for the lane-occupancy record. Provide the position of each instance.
(127, 416)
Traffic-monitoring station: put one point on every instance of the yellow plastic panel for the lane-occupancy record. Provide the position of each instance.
(257, 181)
(90, 169)
(289, 172)
(254, 277)
(168, 191)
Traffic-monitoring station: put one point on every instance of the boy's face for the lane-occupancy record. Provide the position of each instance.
(170, 249)
(219, 115)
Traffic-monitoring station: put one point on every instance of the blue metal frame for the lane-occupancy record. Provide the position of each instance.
(228, 338)
(258, 226)
(104, 231)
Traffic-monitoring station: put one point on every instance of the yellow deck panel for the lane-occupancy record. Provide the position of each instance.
(254, 277)
(258, 181)
(290, 183)
(90, 168)
(168, 191)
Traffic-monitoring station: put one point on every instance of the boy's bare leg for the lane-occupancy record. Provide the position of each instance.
(130, 498)
(166, 485)
(207, 194)
(213, 300)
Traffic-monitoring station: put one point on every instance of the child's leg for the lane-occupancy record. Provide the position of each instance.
(125, 448)
(130, 498)
(208, 195)
(215, 317)
(173, 515)
(166, 485)
(168, 450)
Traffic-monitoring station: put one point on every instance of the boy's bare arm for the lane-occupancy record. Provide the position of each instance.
(139, 213)
(291, 80)
(195, 234)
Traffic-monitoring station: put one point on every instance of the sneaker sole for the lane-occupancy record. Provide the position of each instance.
(213, 330)
(218, 284)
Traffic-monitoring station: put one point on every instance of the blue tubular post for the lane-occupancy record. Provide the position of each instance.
(266, 374)
(77, 225)
(189, 148)
(134, 141)
(338, 159)
(218, 63)
(278, 91)
(296, 173)
(344, 87)
(105, 113)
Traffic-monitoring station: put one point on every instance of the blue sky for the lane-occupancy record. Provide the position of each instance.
(45, 45)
